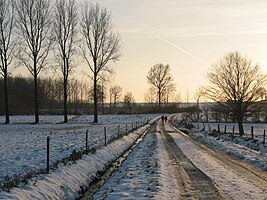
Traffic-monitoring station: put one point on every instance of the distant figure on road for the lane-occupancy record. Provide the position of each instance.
(162, 119)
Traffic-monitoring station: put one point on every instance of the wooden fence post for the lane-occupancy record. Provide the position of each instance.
(219, 131)
(118, 131)
(252, 133)
(224, 129)
(47, 163)
(233, 129)
(264, 136)
(86, 141)
(105, 133)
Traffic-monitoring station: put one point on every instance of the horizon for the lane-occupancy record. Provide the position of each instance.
(189, 36)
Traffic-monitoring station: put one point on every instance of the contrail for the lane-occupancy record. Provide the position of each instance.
(182, 50)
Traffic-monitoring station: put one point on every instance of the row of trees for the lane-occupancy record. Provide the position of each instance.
(31, 29)
(51, 94)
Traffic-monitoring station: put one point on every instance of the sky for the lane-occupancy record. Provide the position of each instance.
(188, 35)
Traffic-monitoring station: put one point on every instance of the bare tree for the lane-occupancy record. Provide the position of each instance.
(115, 94)
(65, 32)
(7, 45)
(129, 101)
(159, 78)
(177, 99)
(34, 24)
(100, 44)
(199, 93)
(168, 91)
(236, 83)
(103, 93)
(150, 96)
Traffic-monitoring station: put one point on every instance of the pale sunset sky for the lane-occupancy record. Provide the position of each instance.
(189, 35)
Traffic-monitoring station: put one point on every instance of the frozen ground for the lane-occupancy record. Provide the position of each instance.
(23, 145)
(67, 181)
(146, 174)
(234, 184)
(239, 148)
(243, 147)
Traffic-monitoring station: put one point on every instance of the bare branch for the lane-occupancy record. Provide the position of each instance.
(236, 83)
(100, 45)
(161, 80)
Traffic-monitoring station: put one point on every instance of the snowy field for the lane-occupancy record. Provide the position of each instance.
(23, 145)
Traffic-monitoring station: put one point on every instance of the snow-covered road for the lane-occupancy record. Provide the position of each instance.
(146, 173)
(153, 172)
(232, 181)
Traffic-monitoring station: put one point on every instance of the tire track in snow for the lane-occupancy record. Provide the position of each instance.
(234, 184)
(202, 185)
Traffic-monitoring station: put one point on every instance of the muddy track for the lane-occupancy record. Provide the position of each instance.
(199, 185)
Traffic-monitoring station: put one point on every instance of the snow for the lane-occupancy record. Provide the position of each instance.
(233, 184)
(258, 128)
(243, 148)
(146, 174)
(66, 181)
(23, 145)
(168, 184)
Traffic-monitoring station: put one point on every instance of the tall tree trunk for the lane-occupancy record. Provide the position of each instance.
(198, 110)
(36, 98)
(102, 98)
(159, 100)
(240, 125)
(6, 98)
(95, 100)
(110, 104)
(65, 100)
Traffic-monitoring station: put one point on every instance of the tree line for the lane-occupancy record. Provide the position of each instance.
(51, 94)
(41, 33)
(112, 100)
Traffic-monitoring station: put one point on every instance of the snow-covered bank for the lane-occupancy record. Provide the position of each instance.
(147, 173)
(240, 148)
(253, 152)
(23, 145)
(227, 179)
(67, 181)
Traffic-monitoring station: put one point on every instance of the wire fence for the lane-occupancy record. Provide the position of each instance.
(79, 143)
(252, 131)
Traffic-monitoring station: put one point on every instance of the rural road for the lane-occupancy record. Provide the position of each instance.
(208, 174)
(167, 164)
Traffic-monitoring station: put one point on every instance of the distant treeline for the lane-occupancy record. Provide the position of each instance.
(21, 96)
(80, 98)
